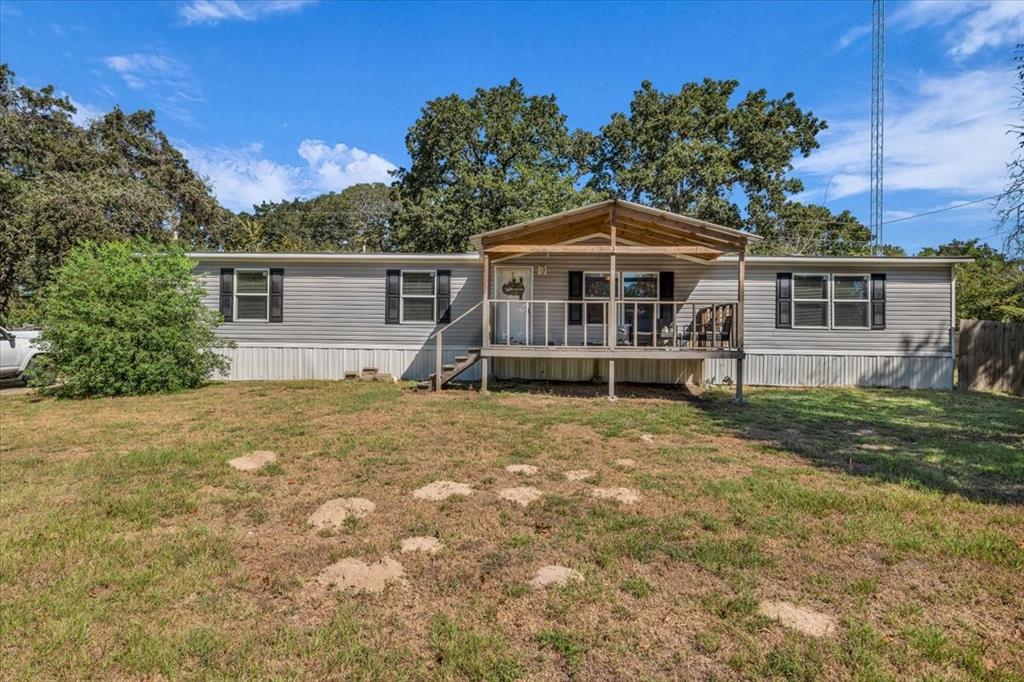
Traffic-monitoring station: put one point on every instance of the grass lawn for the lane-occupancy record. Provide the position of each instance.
(128, 548)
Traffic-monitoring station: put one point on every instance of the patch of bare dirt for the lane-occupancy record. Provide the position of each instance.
(332, 513)
(579, 474)
(353, 575)
(521, 496)
(254, 461)
(623, 495)
(557, 576)
(798, 618)
(524, 469)
(425, 544)
(626, 463)
(442, 490)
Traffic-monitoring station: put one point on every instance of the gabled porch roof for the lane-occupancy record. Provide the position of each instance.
(615, 226)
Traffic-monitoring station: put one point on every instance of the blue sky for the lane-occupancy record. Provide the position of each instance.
(290, 98)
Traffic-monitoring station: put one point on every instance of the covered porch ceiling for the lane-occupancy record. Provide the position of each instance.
(615, 226)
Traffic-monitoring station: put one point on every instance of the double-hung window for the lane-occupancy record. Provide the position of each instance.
(639, 286)
(596, 287)
(810, 300)
(850, 300)
(419, 292)
(252, 295)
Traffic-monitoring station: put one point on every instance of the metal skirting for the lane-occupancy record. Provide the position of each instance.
(270, 362)
(768, 369)
(292, 362)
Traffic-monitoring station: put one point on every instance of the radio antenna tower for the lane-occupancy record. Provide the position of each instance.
(877, 119)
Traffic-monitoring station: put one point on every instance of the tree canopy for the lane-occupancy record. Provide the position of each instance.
(499, 157)
(692, 151)
(60, 184)
(358, 218)
(990, 288)
(813, 230)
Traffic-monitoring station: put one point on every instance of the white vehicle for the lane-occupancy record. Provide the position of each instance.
(18, 349)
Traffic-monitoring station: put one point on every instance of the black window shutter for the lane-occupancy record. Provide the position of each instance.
(392, 304)
(784, 300)
(878, 301)
(666, 292)
(444, 295)
(227, 293)
(575, 294)
(276, 295)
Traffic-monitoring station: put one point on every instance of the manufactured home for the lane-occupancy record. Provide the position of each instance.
(610, 292)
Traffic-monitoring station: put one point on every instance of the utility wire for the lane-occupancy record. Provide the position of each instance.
(894, 220)
(940, 210)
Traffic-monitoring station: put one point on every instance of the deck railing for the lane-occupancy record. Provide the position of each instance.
(636, 323)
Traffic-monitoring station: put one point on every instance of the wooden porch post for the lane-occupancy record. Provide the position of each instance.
(485, 336)
(742, 276)
(611, 326)
(611, 323)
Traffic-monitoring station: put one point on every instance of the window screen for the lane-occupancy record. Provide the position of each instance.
(810, 300)
(251, 294)
(850, 300)
(418, 297)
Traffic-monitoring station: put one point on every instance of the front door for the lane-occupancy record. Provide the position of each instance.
(512, 319)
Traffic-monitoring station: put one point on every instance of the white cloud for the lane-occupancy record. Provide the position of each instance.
(971, 25)
(243, 177)
(948, 133)
(169, 81)
(852, 36)
(141, 63)
(216, 11)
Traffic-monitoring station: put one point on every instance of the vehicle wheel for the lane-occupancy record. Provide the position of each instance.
(31, 372)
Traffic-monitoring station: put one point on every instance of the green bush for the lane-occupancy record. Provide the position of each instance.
(126, 318)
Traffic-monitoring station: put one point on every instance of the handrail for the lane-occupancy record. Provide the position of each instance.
(701, 322)
(445, 328)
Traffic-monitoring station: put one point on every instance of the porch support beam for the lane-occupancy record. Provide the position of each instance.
(611, 380)
(611, 322)
(740, 284)
(485, 338)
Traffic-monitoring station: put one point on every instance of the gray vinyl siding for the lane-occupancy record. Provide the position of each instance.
(918, 319)
(343, 304)
(334, 322)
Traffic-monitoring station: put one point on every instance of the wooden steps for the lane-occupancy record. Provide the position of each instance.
(451, 371)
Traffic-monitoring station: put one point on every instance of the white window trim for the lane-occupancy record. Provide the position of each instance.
(266, 317)
(402, 296)
(866, 301)
(827, 300)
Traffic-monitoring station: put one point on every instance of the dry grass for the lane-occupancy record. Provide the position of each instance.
(128, 547)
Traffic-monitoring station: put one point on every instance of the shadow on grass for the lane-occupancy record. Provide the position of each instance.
(964, 443)
(575, 389)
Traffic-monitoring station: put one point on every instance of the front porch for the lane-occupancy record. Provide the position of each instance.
(611, 282)
(601, 283)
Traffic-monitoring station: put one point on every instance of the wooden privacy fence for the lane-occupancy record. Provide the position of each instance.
(991, 356)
